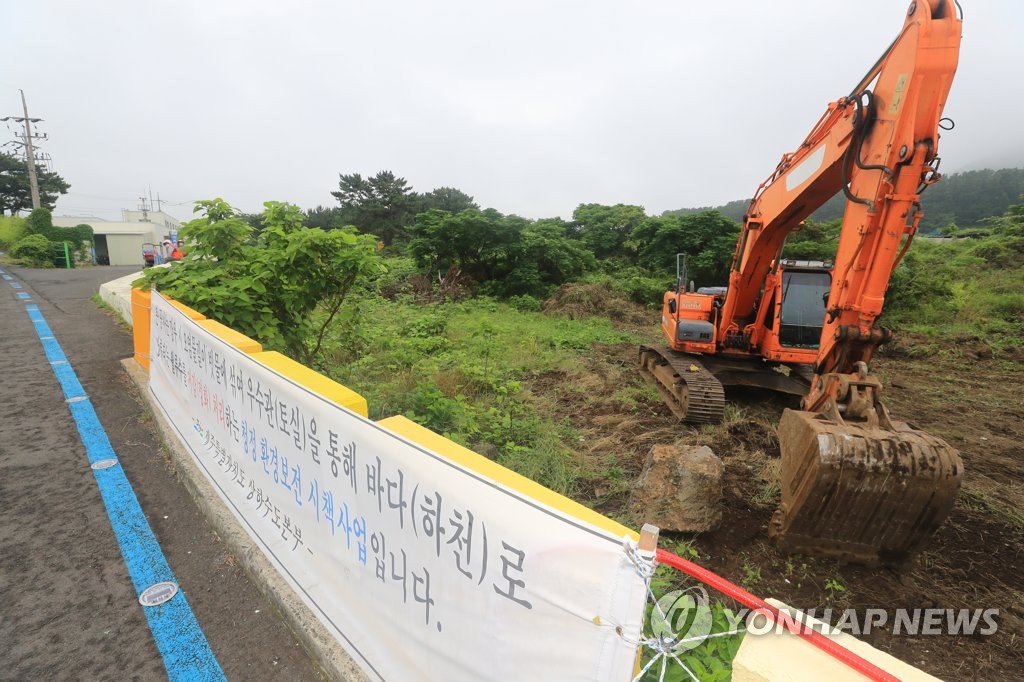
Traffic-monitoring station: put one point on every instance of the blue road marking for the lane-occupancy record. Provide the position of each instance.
(23, 296)
(8, 278)
(182, 644)
(15, 285)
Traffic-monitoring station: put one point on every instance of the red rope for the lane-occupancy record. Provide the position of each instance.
(841, 653)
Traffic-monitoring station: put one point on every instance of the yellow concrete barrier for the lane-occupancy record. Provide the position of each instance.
(140, 325)
(494, 471)
(230, 336)
(314, 381)
(192, 314)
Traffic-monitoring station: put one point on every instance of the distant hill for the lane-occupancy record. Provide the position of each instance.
(964, 198)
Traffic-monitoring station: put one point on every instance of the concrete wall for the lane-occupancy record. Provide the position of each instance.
(125, 249)
(118, 295)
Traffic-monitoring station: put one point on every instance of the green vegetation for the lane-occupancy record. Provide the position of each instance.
(36, 243)
(751, 575)
(711, 659)
(965, 287)
(34, 251)
(506, 255)
(12, 229)
(834, 587)
(268, 286)
(962, 199)
(448, 325)
(15, 193)
(384, 205)
(463, 369)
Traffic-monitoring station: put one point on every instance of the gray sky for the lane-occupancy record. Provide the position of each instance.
(531, 107)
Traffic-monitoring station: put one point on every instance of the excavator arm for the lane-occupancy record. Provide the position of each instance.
(879, 146)
(856, 484)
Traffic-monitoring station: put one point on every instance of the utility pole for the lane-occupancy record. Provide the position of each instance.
(33, 181)
(30, 153)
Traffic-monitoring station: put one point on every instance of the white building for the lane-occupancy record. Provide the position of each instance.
(122, 243)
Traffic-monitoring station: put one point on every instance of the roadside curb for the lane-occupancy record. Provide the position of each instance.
(118, 295)
(325, 650)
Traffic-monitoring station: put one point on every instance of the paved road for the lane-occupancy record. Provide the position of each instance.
(68, 609)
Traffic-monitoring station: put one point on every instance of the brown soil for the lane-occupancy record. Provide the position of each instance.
(961, 390)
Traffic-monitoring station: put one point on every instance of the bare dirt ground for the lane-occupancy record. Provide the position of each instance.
(956, 389)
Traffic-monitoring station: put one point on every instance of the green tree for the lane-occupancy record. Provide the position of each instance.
(544, 257)
(814, 241)
(15, 190)
(326, 217)
(477, 242)
(1011, 223)
(707, 238)
(283, 287)
(507, 255)
(605, 230)
(448, 199)
(383, 205)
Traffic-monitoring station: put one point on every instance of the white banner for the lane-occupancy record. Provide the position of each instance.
(422, 566)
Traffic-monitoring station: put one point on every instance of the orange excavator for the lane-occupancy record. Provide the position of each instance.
(856, 484)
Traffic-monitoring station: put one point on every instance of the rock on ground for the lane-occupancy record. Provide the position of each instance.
(680, 489)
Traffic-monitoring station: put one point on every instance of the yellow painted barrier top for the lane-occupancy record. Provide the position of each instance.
(230, 336)
(494, 471)
(192, 314)
(313, 380)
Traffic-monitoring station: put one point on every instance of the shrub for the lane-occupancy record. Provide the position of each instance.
(35, 251)
(12, 229)
(1008, 306)
(79, 237)
(283, 287)
(505, 255)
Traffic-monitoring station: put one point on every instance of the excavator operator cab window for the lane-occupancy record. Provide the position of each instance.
(804, 296)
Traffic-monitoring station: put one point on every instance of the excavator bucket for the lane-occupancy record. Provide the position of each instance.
(861, 494)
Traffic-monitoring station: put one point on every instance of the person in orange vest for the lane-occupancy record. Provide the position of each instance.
(177, 253)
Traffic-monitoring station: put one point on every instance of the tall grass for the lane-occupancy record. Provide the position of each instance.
(462, 369)
(963, 287)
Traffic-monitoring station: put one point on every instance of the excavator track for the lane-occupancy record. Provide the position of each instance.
(691, 391)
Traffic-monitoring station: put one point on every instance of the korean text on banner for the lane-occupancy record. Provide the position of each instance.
(422, 565)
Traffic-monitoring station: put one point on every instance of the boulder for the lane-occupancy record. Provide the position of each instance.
(679, 489)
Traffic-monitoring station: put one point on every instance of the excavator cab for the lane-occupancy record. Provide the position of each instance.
(805, 286)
